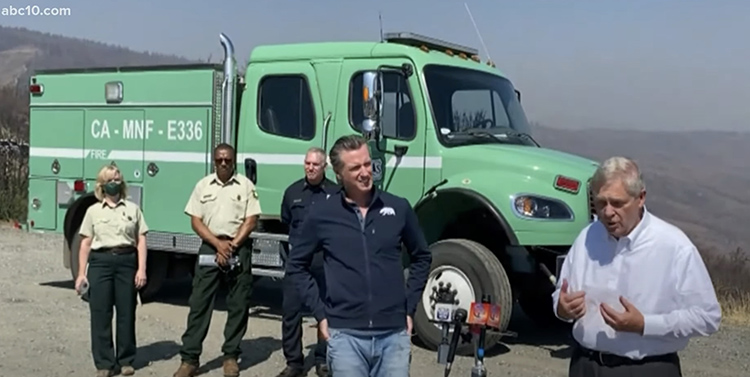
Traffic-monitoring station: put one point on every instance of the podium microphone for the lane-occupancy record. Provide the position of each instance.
(444, 311)
(458, 319)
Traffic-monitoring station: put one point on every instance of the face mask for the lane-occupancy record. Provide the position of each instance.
(112, 188)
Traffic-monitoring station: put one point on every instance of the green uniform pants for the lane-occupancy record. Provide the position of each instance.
(112, 283)
(205, 283)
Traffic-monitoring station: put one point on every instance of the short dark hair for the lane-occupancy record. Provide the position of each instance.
(225, 147)
(345, 143)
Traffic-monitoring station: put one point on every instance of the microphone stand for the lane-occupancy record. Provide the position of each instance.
(445, 305)
(480, 331)
(483, 315)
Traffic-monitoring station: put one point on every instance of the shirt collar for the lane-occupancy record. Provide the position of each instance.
(373, 198)
(308, 185)
(120, 201)
(232, 179)
(631, 238)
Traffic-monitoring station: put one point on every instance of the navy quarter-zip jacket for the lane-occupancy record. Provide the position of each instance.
(363, 262)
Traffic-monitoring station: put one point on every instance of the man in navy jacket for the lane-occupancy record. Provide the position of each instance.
(368, 310)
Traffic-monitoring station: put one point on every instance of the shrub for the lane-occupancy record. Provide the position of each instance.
(730, 273)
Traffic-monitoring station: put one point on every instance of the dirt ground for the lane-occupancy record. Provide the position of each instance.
(44, 328)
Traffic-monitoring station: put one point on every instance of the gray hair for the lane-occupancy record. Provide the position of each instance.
(345, 143)
(621, 168)
(317, 150)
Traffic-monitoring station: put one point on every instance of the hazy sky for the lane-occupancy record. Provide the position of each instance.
(656, 64)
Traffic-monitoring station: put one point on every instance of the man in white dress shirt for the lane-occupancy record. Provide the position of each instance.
(634, 285)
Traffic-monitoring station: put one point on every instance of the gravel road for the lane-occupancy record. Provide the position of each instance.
(44, 329)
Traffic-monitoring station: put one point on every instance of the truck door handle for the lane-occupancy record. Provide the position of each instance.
(251, 170)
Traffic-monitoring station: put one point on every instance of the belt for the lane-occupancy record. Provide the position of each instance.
(229, 238)
(117, 250)
(612, 360)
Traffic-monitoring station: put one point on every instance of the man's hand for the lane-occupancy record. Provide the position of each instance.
(224, 250)
(323, 329)
(409, 324)
(571, 305)
(631, 320)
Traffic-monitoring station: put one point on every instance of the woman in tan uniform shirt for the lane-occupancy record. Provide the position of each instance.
(114, 246)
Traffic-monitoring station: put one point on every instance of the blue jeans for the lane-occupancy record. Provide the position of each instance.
(360, 353)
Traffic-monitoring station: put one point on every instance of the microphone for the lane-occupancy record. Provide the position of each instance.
(444, 312)
(458, 319)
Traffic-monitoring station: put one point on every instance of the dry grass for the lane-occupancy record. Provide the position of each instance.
(730, 273)
(14, 161)
(14, 186)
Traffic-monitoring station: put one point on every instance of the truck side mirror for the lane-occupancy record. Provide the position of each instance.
(518, 95)
(371, 84)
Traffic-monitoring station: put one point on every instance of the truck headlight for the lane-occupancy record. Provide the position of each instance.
(541, 208)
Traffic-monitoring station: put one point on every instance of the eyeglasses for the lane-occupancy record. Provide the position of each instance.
(223, 160)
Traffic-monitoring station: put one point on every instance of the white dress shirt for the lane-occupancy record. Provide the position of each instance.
(658, 270)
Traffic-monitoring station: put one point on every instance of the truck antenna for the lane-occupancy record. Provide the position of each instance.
(380, 17)
(481, 40)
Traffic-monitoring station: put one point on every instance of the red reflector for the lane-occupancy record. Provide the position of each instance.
(36, 88)
(79, 186)
(567, 184)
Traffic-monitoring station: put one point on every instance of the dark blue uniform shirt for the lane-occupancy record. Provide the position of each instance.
(299, 196)
(363, 262)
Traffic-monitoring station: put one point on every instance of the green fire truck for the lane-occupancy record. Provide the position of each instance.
(446, 129)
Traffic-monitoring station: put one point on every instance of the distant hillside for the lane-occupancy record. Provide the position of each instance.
(23, 50)
(699, 180)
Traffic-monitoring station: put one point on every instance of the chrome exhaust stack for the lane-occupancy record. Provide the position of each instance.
(227, 91)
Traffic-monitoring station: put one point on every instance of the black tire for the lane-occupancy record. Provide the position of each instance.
(75, 247)
(157, 267)
(487, 276)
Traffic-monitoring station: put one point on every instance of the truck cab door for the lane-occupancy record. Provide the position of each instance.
(284, 118)
(402, 125)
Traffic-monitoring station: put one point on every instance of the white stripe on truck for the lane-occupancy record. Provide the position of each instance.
(201, 157)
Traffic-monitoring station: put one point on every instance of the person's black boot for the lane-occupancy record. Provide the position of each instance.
(321, 370)
(291, 372)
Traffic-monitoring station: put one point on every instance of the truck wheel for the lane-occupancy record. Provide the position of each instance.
(474, 271)
(157, 265)
(75, 247)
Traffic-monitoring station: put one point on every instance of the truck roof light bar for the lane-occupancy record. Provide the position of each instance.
(417, 40)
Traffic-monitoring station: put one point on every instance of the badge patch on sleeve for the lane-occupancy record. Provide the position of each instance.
(255, 194)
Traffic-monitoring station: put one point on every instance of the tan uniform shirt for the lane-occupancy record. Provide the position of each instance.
(223, 207)
(113, 226)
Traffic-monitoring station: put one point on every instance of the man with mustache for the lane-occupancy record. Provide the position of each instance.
(223, 210)
(368, 311)
(635, 286)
